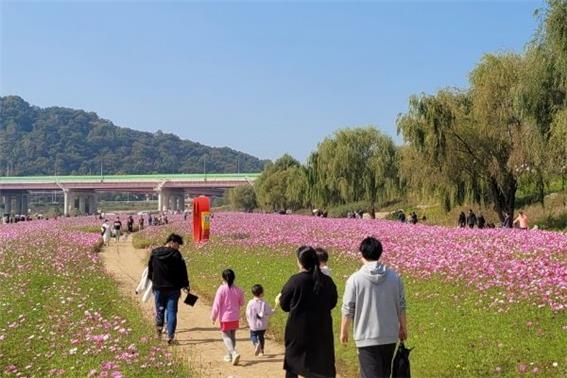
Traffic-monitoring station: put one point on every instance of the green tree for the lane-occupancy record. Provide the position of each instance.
(473, 139)
(243, 198)
(273, 185)
(354, 165)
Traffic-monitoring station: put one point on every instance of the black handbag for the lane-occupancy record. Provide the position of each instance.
(401, 363)
(190, 299)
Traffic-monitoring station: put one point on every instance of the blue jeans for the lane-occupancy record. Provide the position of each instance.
(258, 337)
(167, 300)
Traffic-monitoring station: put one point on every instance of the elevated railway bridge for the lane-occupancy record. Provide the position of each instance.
(80, 192)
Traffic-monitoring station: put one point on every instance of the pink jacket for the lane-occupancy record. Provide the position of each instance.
(227, 303)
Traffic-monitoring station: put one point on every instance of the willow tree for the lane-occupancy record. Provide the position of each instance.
(281, 184)
(472, 137)
(355, 165)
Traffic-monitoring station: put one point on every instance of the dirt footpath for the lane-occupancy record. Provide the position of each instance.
(200, 344)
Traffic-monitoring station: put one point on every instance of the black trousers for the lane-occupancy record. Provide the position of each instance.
(376, 361)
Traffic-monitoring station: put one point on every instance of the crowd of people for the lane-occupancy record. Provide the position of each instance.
(373, 306)
(472, 220)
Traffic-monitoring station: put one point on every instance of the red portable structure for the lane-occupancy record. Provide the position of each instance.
(201, 219)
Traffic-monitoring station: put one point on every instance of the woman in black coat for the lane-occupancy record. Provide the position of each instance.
(309, 296)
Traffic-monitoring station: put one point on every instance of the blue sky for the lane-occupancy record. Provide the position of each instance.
(265, 78)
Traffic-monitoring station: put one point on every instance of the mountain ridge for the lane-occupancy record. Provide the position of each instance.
(65, 141)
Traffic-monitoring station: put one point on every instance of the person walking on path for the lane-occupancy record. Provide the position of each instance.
(309, 296)
(374, 301)
(226, 307)
(168, 273)
(258, 312)
(106, 232)
(117, 225)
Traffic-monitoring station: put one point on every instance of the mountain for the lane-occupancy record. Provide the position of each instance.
(63, 141)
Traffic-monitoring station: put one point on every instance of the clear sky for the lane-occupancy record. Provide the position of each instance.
(265, 78)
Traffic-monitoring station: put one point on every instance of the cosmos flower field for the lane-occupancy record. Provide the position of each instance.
(61, 314)
(524, 265)
(489, 302)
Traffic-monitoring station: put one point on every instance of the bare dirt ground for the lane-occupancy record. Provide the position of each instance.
(199, 342)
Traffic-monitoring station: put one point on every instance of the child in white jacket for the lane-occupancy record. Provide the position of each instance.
(257, 314)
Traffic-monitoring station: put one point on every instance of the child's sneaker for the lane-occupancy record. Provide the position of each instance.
(261, 354)
(257, 349)
(227, 358)
(235, 358)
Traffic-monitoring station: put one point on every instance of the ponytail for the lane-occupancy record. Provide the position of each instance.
(307, 257)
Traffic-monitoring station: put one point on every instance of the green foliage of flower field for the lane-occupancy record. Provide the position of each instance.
(61, 314)
(453, 332)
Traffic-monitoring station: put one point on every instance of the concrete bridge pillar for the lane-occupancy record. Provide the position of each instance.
(69, 198)
(82, 203)
(7, 203)
(92, 202)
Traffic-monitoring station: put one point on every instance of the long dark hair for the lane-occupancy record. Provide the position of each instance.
(229, 276)
(307, 257)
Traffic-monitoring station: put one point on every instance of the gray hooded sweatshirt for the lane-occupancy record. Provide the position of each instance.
(374, 298)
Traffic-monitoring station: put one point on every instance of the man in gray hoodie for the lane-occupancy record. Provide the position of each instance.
(374, 300)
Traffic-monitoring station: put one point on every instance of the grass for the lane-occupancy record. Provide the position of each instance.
(454, 332)
(62, 315)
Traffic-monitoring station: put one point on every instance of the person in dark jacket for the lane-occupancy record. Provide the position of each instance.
(462, 219)
(309, 296)
(168, 272)
(471, 219)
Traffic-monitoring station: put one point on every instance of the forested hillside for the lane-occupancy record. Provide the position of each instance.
(63, 141)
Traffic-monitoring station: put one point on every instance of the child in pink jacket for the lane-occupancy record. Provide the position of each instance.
(226, 307)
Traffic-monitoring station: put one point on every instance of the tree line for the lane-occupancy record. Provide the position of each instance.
(506, 132)
(63, 141)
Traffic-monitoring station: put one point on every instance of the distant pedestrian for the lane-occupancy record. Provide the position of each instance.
(226, 308)
(471, 219)
(130, 224)
(480, 220)
(462, 221)
(507, 222)
(323, 257)
(258, 312)
(106, 232)
(413, 218)
(117, 226)
(522, 221)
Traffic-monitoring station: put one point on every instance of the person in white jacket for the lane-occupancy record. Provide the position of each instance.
(105, 232)
(257, 314)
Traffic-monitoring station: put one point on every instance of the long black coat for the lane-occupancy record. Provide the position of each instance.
(309, 341)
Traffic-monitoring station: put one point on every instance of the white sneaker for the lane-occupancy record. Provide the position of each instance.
(235, 358)
(227, 358)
